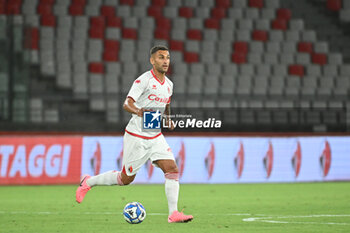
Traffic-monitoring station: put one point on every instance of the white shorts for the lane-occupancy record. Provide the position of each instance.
(137, 151)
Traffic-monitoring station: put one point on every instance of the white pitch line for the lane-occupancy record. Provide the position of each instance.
(267, 219)
(237, 214)
(263, 218)
(321, 223)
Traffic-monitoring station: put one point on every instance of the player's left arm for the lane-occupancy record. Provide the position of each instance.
(168, 121)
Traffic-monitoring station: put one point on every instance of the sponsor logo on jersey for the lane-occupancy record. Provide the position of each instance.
(156, 98)
(152, 120)
(325, 159)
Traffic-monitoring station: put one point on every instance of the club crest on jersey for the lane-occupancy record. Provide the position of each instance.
(152, 119)
(137, 81)
(154, 87)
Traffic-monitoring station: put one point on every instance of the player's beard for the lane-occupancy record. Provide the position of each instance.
(162, 69)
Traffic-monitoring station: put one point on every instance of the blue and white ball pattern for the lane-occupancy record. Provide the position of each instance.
(134, 212)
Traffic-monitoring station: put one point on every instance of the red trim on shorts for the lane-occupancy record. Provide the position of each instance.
(131, 98)
(123, 170)
(157, 78)
(143, 137)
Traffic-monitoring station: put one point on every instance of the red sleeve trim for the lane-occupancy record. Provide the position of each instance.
(141, 136)
(131, 98)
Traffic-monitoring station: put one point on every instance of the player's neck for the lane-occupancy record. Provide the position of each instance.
(159, 76)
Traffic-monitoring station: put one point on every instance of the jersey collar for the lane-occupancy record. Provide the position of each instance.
(157, 78)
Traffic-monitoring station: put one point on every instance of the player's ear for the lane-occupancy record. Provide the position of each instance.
(151, 60)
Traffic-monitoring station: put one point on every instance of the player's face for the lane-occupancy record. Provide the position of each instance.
(160, 61)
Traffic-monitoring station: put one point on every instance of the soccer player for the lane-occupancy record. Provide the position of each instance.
(151, 90)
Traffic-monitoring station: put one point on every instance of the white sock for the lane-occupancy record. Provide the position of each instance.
(172, 190)
(107, 178)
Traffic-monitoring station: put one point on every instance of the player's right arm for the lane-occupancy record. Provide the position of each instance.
(129, 106)
(136, 90)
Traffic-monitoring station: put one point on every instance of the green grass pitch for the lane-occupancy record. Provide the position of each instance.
(295, 207)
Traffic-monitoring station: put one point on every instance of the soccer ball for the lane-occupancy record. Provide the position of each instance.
(134, 212)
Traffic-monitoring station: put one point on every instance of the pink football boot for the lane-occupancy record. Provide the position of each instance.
(82, 189)
(177, 216)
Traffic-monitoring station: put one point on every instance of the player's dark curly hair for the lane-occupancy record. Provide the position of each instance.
(157, 48)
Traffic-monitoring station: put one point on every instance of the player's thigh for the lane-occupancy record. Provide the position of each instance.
(167, 165)
(162, 156)
(135, 154)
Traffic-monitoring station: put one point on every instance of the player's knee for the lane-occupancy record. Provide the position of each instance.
(126, 180)
(130, 180)
(172, 169)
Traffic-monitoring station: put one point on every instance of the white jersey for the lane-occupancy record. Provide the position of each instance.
(148, 92)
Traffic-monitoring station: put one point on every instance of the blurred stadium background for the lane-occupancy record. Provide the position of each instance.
(260, 66)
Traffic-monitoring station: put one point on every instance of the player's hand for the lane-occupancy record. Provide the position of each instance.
(140, 111)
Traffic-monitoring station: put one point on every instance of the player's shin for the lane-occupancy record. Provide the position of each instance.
(172, 190)
(107, 178)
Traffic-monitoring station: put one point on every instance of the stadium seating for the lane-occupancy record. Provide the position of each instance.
(238, 49)
(341, 6)
(344, 11)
